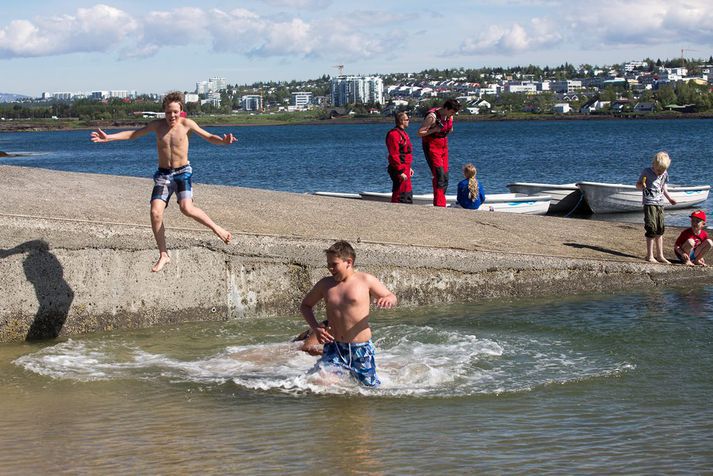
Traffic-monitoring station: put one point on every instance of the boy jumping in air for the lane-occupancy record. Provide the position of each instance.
(174, 171)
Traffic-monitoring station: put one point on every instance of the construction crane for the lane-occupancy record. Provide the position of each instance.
(340, 67)
(683, 60)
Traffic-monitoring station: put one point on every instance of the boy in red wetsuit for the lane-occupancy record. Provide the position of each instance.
(400, 151)
(434, 131)
(693, 243)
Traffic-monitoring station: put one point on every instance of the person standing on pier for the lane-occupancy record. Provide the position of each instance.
(174, 171)
(434, 131)
(400, 151)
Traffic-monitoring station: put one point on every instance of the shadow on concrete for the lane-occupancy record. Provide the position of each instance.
(602, 250)
(54, 294)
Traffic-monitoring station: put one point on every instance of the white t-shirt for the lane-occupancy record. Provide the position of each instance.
(653, 191)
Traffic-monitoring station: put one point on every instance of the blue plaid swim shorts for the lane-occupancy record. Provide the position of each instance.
(357, 358)
(170, 181)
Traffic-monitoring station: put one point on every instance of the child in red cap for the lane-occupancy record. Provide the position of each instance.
(693, 243)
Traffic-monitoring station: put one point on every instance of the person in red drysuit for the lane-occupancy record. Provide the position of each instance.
(434, 131)
(400, 150)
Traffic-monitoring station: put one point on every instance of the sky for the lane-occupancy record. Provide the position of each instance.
(158, 46)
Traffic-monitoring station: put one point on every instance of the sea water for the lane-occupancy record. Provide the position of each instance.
(580, 385)
(352, 157)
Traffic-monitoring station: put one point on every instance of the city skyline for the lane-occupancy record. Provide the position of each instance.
(86, 45)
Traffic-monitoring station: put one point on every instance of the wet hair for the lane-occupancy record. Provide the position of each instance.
(469, 172)
(173, 96)
(661, 161)
(398, 116)
(452, 104)
(342, 250)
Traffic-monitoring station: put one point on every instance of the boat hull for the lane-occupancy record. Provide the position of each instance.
(565, 197)
(620, 198)
(499, 202)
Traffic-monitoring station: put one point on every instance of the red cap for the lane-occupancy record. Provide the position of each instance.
(700, 214)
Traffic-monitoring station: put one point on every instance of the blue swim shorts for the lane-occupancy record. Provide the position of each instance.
(358, 358)
(170, 181)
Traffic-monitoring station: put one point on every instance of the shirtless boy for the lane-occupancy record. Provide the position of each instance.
(174, 171)
(347, 294)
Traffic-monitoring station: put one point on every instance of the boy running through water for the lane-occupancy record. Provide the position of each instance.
(174, 171)
(347, 294)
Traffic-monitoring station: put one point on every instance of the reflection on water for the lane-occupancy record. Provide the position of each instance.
(589, 384)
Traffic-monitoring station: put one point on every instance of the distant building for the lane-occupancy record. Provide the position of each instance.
(526, 88)
(632, 65)
(566, 86)
(561, 108)
(213, 85)
(190, 97)
(301, 100)
(251, 102)
(670, 75)
(357, 90)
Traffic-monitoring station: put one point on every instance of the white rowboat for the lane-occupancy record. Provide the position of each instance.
(498, 202)
(618, 198)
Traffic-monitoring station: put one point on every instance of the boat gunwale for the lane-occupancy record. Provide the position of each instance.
(671, 188)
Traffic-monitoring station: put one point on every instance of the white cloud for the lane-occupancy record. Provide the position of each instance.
(644, 22)
(98, 28)
(242, 31)
(513, 39)
(298, 4)
(103, 28)
(596, 25)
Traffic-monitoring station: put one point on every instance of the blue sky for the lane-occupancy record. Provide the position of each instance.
(156, 46)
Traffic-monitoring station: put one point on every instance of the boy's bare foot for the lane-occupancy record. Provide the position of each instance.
(163, 260)
(663, 260)
(699, 262)
(223, 234)
(688, 263)
(651, 259)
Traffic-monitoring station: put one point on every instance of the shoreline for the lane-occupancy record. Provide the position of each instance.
(41, 125)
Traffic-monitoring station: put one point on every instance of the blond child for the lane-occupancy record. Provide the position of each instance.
(470, 191)
(653, 183)
(693, 243)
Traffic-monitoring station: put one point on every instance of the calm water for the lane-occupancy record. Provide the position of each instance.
(586, 385)
(352, 158)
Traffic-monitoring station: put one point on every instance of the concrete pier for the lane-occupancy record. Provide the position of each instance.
(76, 252)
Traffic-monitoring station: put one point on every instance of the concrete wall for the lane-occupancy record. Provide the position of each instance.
(64, 277)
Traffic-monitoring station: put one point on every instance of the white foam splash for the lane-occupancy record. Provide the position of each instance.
(411, 361)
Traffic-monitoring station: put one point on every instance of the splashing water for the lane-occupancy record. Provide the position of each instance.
(411, 361)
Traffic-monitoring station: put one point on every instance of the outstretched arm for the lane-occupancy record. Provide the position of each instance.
(212, 138)
(99, 135)
(307, 309)
(385, 299)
